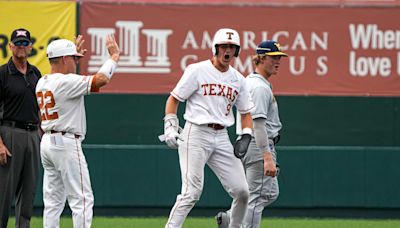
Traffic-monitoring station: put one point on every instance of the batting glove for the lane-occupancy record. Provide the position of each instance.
(242, 143)
(171, 130)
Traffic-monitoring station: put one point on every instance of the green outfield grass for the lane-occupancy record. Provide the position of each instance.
(158, 222)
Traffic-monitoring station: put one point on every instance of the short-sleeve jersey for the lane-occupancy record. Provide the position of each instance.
(61, 102)
(265, 103)
(211, 94)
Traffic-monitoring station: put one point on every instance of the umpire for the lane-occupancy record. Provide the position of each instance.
(19, 132)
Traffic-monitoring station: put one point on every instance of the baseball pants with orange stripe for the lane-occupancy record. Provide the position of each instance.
(66, 176)
(201, 145)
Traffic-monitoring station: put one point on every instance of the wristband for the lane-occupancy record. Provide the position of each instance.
(108, 68)
(247, 130)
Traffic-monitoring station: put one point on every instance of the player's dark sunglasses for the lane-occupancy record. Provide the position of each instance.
(22, 43)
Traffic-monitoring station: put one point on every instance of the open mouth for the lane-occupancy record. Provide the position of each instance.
(226, 57)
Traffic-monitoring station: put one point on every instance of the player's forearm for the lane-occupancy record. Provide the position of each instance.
(247, 122)
(171, 107)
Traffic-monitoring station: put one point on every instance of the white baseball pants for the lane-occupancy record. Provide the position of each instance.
(203, 145)
(66, 177)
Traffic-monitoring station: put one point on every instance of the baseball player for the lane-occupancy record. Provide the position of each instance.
(60, 95)
(260, 160)
(210, 88)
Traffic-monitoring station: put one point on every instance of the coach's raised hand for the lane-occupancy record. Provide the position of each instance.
(112, 47)
(79, 45)
(107, 70)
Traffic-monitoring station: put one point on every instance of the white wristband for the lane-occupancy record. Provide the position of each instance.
(108, 68)
(247, 131)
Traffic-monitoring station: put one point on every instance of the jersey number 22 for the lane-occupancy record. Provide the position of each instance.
(46, 102)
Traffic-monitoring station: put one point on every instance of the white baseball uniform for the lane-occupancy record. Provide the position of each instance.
(66, 175)
(210, 96)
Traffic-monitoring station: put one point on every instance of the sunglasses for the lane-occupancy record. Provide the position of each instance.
(22, 43)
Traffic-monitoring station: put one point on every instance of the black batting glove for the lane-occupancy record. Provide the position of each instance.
(241, 145)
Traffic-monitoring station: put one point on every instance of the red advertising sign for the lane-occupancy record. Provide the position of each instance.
(333, 51)
(269, 2)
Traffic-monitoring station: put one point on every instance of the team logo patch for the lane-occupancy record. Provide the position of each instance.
(21, 33)
(229, 34)
(278, 46)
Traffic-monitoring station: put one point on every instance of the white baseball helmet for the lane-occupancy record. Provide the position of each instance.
(62, 47)
(226, 36)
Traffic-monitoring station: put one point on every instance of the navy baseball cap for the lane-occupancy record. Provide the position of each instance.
(270, 47)
(20, 34)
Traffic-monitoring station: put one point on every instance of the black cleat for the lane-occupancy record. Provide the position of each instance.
(222, 219)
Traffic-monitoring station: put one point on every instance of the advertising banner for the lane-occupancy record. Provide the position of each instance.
(45, 21)
(269, 2)
(333, 51)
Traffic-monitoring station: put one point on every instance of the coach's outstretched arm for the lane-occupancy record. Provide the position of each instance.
(103, 76)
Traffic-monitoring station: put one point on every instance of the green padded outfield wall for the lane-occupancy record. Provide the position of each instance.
(315, 121)
(335, 152)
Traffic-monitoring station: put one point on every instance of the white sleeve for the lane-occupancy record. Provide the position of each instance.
(244, 103)
(187, 85)
(75, 85)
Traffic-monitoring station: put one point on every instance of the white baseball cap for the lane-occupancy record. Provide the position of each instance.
(62, 47)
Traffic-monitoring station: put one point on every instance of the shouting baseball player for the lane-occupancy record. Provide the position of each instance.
(260, 160)
(60, 95)
(210, 88)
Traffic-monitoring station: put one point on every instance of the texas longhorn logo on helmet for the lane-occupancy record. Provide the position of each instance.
(229, 35)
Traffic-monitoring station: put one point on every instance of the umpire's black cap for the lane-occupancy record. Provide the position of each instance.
(21, 34)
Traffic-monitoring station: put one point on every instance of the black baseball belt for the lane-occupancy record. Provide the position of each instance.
(276, 139)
